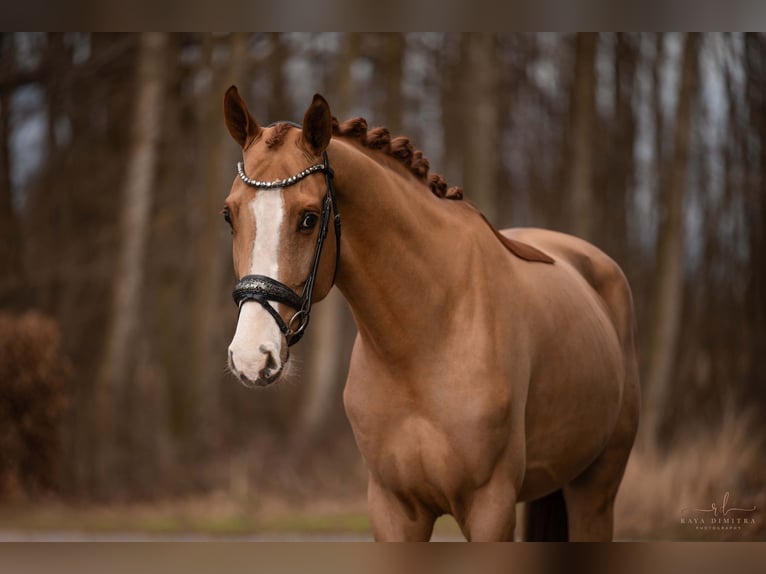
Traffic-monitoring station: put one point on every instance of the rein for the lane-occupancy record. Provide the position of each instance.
(264, 289)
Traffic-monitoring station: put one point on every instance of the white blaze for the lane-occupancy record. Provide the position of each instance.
(257, 332)
(267, 208)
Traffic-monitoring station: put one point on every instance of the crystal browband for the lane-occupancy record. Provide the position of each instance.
(277, 182)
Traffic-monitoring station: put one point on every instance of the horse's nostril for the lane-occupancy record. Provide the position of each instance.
(271, 358)
(272, 366)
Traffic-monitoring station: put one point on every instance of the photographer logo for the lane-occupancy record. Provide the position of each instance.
(723, 516)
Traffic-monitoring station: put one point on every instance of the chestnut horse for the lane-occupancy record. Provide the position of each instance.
(489, 367)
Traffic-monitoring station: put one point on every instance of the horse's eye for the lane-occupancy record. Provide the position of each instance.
(309, 221)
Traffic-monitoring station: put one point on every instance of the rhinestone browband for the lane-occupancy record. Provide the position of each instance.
(277, 182)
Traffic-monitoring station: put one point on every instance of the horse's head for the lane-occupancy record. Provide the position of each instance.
(275, 209)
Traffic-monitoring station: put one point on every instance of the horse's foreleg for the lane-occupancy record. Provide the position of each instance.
(491, 513)
(397, 520)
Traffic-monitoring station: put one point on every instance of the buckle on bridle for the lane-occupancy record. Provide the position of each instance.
(301, 318)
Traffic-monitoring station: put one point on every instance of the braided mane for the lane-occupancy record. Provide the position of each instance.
(399, 148)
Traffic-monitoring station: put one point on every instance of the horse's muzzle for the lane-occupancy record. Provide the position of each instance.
(263, 371)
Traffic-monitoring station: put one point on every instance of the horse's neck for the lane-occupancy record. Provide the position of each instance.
(401, 259)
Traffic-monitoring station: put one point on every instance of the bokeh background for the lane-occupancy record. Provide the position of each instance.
(116, 411)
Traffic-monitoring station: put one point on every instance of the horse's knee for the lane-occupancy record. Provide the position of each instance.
(498, 526)
(395, 520)
(491, 514)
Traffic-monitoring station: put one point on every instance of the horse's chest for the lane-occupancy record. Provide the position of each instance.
(431, 453)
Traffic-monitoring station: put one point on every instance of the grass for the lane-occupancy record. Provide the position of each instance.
(175, 518)
(210, 517)
(694, 473)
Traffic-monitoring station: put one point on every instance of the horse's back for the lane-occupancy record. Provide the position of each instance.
(601, 272)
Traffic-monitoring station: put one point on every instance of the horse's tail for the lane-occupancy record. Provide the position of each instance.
(546, 519)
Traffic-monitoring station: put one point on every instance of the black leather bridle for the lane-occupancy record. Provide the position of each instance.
(263, 289)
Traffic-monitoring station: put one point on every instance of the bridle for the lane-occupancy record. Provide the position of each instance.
(263, 289)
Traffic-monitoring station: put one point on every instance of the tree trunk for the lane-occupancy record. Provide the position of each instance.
(581, 137)
(755, 66)
(452, 67)
(328, 346)
(621, 169)
(481, 125)
(668, 289)
(279, 107)
(344, 80)
(197, 425)
(659, 119)
(117, 365)
(10, 239)
(393, 75)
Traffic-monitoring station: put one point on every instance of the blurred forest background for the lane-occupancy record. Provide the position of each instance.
(116, 273)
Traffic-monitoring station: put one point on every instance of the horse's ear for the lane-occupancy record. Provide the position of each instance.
(241, 125)
(317, 125)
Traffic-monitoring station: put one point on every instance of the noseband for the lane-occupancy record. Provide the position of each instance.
(263, 289)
